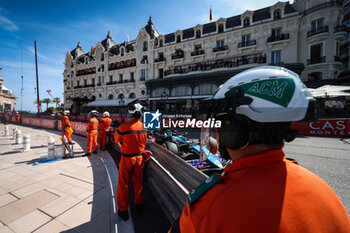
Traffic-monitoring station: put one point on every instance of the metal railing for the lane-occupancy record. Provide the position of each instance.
(317, 31)
(159, 59)
(316, 60)
(339, 28)
(322, 6)
(218, 49)
(283, 36)
(246, 44)
(197, 52)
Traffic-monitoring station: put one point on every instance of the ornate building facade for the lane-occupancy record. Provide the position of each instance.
(7, 99)
(174, 71)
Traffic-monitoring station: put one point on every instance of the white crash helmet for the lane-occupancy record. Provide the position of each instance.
(93, 113)
(105, 114)
(136, 108)
(278, 94)
(66, 112)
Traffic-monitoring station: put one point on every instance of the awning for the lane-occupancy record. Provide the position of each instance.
(101, 103)
(330, 91)
(67, 106)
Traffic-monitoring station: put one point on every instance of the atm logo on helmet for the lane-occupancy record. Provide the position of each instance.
(279, 91)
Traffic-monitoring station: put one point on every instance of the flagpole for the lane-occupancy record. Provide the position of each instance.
(37, 78)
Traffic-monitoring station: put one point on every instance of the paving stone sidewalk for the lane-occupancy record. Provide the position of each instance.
(70, 195)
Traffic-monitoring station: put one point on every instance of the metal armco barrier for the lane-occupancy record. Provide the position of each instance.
(26, 142)
(169, 178)
(19, 137)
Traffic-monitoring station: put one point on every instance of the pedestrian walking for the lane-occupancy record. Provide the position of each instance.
(133, 137)
(104, 129)
(66, 127)
(91, 129)
(261, 191)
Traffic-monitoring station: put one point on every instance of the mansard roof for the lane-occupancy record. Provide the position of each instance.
(150, 29)
(261, 14)
(78, 51)
(108, 42)
(288, 8)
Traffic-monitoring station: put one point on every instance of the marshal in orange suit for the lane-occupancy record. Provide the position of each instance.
(133, 137)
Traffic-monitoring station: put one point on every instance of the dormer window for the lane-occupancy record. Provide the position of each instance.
(122, 52)
(178, 39)
(276, 14)
(246, 22)
(156, 42)
(160, 43)
(102, 57)
(86, 60)
(221, 28)
(145, 46)
(198, 34)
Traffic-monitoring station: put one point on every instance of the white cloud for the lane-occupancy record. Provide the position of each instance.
(7, 24)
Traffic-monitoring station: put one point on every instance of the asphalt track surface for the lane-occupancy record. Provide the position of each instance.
(327, 157)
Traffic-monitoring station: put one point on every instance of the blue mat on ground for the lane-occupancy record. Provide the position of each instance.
(47, 161)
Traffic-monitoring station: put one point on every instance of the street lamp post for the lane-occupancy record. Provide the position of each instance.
(121, 103)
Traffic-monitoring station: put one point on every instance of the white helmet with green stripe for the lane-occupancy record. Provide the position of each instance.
(278, 95)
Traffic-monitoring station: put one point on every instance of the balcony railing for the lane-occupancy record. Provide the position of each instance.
(337, 58)
(159, 59)
(177, 55)
(121, 66)
(322, 6)
(68, 88)
(99, 84)
(222, 63)
(317, 31)
(246, 44)
(222, 48)
(340, 28)
(283, 36)
(316, 60)
(197, 52)
(85, 73)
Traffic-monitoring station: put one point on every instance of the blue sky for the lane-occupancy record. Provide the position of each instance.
(57, 26)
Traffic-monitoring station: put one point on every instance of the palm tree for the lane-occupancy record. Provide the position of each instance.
(47, 101)
(57, 101)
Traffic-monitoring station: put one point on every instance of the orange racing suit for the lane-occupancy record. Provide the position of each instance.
(91, 129)
(17, 118)
(263, 193)
(133, 137)
(105, 125)
(65, 128)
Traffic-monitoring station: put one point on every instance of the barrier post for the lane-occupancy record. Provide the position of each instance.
(19, 137)
(6, 130)
(26, 143)
(14, 132)
(51, 147)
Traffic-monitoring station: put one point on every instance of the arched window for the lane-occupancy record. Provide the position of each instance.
(132, 96)
(246, 22)
(110, 97)
(178, 39)
(121, 96)
(102, 57)
(93, 98)
(221, 28)
(198, 34)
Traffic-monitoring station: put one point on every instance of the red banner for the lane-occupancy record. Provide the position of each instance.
(50, 124)
(79, 128)
(324, 127)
